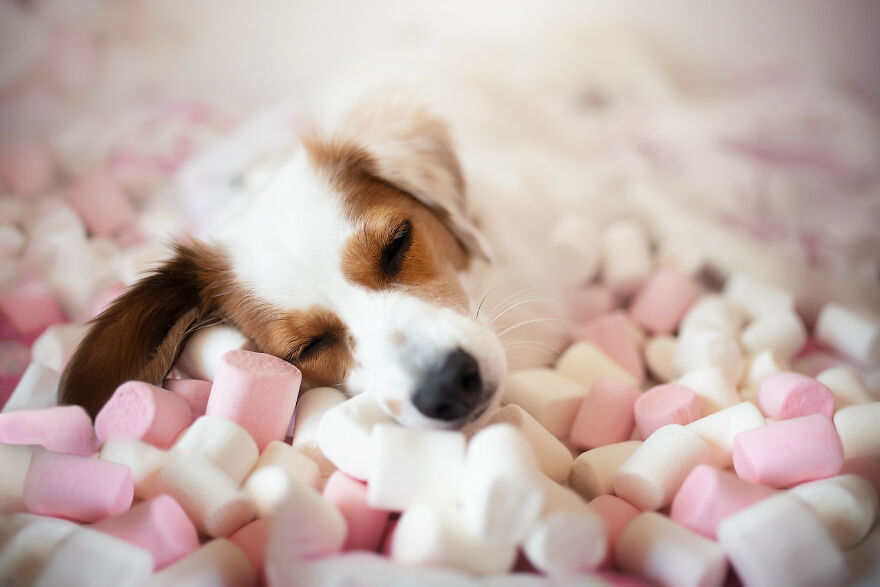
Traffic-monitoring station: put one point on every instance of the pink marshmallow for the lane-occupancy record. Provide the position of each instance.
(788, 452)
(388, 539)
(256, 391)
(612, 334)
(865, 467)
(26, 167)
(791, 395)
(194, 391)
(159, 526)
(710, 495)
(64, 429)
(616, 514)
(252, 540)
(605, 415)
(366, 525)
(590, 302)
(663, 301)
(144, 412)
(665, 404)
(101, 204)
(30, 306)
(77, 488)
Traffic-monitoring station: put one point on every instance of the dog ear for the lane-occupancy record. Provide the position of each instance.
(142, 332)
(412, 150)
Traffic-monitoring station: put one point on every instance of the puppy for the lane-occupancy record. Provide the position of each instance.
(350, 264)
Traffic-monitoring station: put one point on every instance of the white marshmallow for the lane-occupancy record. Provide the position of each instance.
(849, 332)
(553, 458)
(210, 497)
(37, 388)
(863, 562)
(409, 466)
(593, 472)
(757, 298)
(660, 357)
(306, 526)
(651, 476)
(269, 487)
(145, 461)
(779, 541)
(224, 442)
(501, 492)
(584, 363)
(55, 346)
(760, 366)
(11, 241)
(859, 429)
(719, 430)
(698, 349)
(626, 256)
(88, 557)
(781, 332)
(845, 504)
(201, 355)
(26, 543)
(548, 396)
(344, 434)
(664, 553)
(291, 461)
(714, 390)
(714, 312)
(14, 462)
(218, 562)
(679, 257)
(429, 536)
(846, 385)
(310, 407)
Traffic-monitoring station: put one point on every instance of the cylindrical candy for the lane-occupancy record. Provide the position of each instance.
(605, 415)
(143, 412)
(665, 404)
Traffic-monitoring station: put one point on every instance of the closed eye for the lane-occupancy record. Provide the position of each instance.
(394, 252)
(313, 347)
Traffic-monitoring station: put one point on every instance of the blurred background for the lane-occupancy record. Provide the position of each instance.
(747, 130)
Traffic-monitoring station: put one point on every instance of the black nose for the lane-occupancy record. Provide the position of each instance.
(451, 391)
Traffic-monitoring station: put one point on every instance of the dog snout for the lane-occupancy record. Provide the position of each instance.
(453, 390)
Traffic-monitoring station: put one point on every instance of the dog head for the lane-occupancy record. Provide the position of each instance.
(347, 264)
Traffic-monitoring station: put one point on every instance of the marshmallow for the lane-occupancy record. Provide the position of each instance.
(66, 429)
(865, 467)
(88, 557)
(859, 430)
(55, 346)
(223, 442)
(788, 452)
(501, 491)
(666, 554)
(76, 487)
(310, 407)
(159, 526)
(279, 467)
(256, 390)
(210, 497)
(589, 302)
(790, 395)
(846, 386)
(761, 365)
(660, 357)
(144, 460)
(553, 458)
(14, 461)
(143, 412)
(783, 333)
(195, 393)
(428, 536)
(593, 472)
(651, 476)
(720, 429)
(849, 332)
(201, 355)
(306, 526)
(663, 301)
(219, 562)
(626, 256)
(26, 543)
(846, 505)
(12, 241)
(714, 390)
(548, 396)
(778, 541)
(37, 388)
(699, 349)
(709, 495)
(757, 298)
(252, 539)
(665, 404)
(605, 415)
(863, 562)
(293, 462)
(679, 257)
(584, 363)
(614, 335)
(101, 204)
(616, 515)
(409, 466)
(366, 525)
(714, 312)
(26, 167)
(344, 434)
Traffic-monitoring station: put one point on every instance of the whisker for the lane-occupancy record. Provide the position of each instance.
(509, 308)
(537, 342)
(521, 324)
(512, 297)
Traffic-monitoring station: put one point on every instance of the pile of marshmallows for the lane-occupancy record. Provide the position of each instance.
(723, 456)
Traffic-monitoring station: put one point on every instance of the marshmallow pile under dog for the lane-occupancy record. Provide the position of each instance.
(749, 447)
